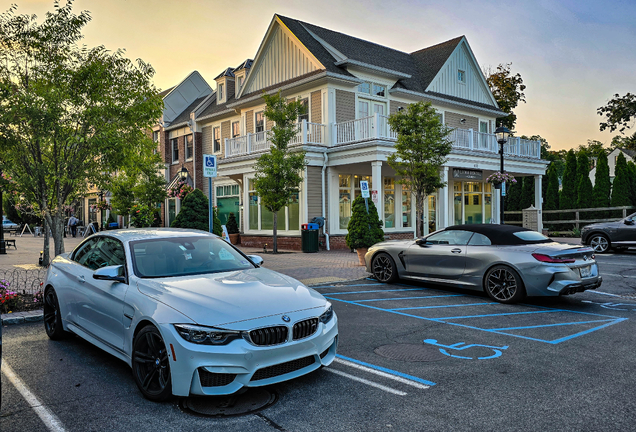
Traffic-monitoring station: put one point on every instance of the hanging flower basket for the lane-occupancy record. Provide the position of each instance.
(498, 178)
(101, 205)
(180, 190)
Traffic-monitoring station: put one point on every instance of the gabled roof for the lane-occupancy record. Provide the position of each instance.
(229, 72)
(429, 61)
(630, 153)
(184, 116)
(165, 92)
(245, 65)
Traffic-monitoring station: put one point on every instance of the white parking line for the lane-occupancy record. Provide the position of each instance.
(382, 374)
(367, 382)
(48, 418)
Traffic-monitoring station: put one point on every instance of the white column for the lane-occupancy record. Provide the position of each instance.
(443, 210)
(538, 200)
(376, 185)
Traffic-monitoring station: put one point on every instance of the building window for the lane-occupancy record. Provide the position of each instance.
(473, 202)
(389, 203)
(461, 76)
(406, 208)
(344, 205)
(189, 147)
(379, 90)
(363, 109)
(240, 83)
(253, 207)
(260, 218)
(364, 88)
(92, 210)
(174, 143)
(217, 139)
(220, 91)
(305, 110)
(260, 122)
(236, 130)
(155, 139)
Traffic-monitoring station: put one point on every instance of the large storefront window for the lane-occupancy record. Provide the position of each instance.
(472, 203)
(92, 211)
(344, 203)
(389, 202)
(172, 210)
(406, 208)
(432, 213)
(227, 201)
(288, 217)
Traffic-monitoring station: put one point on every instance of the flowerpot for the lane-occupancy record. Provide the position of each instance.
(361, 253)
(235, 238)
(497, 185)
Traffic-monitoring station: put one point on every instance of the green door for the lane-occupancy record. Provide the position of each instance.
(226, 206)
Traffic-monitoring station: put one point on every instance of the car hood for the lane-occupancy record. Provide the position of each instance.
(393, 243)
(222, 298)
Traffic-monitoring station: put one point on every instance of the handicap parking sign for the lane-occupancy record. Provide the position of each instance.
(209, 166)
(364, 187)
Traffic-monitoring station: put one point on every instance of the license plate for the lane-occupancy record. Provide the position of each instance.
(586, 271)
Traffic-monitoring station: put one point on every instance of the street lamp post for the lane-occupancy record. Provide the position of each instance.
(101, 212)
(502, 134)
(183, 172)
(3, 247)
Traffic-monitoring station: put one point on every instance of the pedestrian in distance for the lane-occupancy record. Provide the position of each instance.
(72, 224)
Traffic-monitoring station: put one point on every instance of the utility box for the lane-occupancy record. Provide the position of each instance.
(531, 218)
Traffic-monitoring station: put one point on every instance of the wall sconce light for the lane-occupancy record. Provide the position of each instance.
(463, 121)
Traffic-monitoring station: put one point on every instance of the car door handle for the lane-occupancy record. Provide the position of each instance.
(456, 251)
(81, 279)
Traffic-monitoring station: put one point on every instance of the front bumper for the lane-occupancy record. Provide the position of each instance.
(219, 370)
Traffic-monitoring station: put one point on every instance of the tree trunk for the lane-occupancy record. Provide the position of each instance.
(45, 252)
(419, 211)
(275, 246)
(58, 233)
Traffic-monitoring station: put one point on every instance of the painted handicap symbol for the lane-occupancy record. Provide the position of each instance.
(460, 346)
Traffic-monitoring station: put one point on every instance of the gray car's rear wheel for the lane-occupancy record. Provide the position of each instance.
(600, 243)
(384, 268)
(503, 284)
(151, 365)
(52, 315)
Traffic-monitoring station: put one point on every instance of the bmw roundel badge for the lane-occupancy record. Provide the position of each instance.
(286, 318)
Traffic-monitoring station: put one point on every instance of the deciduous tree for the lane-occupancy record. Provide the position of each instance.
(507, 90)
(70, 115)
(278, 173)
(420, 151)
(619, 113)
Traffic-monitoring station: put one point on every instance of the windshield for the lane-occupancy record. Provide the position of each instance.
(531, 237)
(181, 256)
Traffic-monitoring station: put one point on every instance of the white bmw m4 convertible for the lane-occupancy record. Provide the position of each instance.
(190, 313)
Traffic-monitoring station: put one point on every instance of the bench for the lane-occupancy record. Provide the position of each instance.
(10, 242)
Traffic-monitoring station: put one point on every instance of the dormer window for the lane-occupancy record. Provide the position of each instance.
(364, 88)
(378, 90)
(372, 89)
(221, 91)
(461, 76)
(240, 83)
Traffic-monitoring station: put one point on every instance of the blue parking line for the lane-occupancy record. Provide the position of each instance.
(332, 286)
(566, 338)
(507, 313)
(389, 371)
(442, 306)
(411, 298)
(550, 325)
(372, 291)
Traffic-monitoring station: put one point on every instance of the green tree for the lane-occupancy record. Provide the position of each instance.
(624, 142)
(278, 173)
(619, 113)
(527, 192)
(602, 185)
(364, 229)
(569, 191)
(513, 196)
(69, 115)
(507, 90)
(585, 195)
(194, 214)
(232, 226)
(552, 193)
(621, 184)
(593, 147)
(420, 151)
(631, 170)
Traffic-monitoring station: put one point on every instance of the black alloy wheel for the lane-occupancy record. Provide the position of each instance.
(151, 365)
(52, 316)
(384, 268)
(600, 243)
(504, 284)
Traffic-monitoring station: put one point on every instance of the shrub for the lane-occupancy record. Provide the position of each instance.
(232, 226)
(364, 229)
(194, 214)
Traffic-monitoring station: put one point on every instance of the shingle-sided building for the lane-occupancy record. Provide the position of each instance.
(350, 87)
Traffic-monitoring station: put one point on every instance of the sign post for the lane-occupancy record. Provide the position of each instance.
(364, 187)
(209, 171)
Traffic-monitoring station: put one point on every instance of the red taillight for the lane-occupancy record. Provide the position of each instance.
(549, 259)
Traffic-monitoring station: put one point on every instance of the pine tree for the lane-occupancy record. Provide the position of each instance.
(585, 197)
(569, 192)
(194, 214)
(621, 184)
(552, 193)
(631, 169)
(513, 195)
(602, 186)
(364, 229)
(527, 193)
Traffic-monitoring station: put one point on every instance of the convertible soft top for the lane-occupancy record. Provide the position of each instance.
(499, 234)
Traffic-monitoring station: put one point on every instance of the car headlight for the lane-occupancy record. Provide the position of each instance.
(327, 315)
(206, 335)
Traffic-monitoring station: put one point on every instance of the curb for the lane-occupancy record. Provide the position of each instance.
(22, 317)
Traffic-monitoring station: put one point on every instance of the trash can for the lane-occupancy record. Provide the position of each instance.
(309, 237)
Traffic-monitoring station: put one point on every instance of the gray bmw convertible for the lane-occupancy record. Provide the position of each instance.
(505, 261)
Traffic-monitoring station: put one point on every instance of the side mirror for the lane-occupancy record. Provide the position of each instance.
(421, 242)
(256, 260)
(629, 221)
(111, 273)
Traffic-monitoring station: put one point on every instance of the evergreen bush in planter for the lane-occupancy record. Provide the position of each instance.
(365, 230)
(194, 214)
(232, 229)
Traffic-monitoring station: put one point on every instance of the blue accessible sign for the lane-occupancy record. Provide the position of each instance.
(209, 165)
(364, 188)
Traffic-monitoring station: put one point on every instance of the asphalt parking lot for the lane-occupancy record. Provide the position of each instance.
(411, 357)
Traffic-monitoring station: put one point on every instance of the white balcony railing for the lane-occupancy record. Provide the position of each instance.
(376, 127)
(307, 134)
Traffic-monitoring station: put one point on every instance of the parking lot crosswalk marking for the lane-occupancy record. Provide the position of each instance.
(367, 382)
(384, 372)
(49, 419)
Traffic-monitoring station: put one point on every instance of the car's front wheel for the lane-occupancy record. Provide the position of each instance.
(503, 284)
(52, 316)
(151, 365)
(384, 268)
(600, 243)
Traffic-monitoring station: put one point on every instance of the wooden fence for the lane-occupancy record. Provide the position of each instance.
(577, 221)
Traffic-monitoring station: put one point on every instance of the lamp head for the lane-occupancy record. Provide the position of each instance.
(502, 133)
